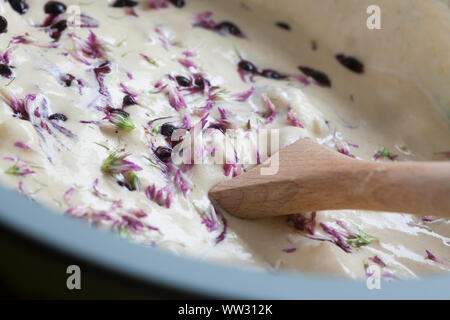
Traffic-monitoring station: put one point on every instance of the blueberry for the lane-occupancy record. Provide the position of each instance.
(6, 71)
(54, 8)
(128, 101)
(350, 63)
(57, 29)
(283, 25)
(19, 6)
(230, 28)
(183, 81)
(319, 76)
(124, 3)
(60, 25)
(167, 129)
(3, 24)
(58, 117)
(164, 154)
(272, 74)
(55, 35)
(247, 66)
(178, 3)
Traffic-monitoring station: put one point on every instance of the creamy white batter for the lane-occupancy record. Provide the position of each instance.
(400, 103)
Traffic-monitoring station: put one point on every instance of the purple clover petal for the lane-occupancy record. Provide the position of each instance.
(293, 120)
(429, 219)
(223, 234)
(302, 223)
(24, 146)
(243, 96)
(338, 238)
(272, 113)
(176, 100)
(162, 197)
(378, 261)
(189, 53)
(96, 192)
(158, 4)
(187, 63)
(302, 79)
(92, 47)
(100, 73)
(432, 257)
(68, 196)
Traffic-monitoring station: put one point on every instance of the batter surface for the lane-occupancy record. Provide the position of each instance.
(92, 91)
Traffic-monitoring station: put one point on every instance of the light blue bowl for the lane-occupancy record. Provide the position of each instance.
(153, 265)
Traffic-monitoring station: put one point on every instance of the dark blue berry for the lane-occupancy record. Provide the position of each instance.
(19, 6)
(6, 71)
(350, 63)
(230, 28)
(183, 81)
(54, 8)
(178, 3)
(167, 129)
(124, 4)
(283, 25)
(58, 117)
(3, 24)
(164, 154)
(272, 74)
(60, 25)
(67, 79)
(247, 66)
(128, 101)
(319, 76)
(57, 29)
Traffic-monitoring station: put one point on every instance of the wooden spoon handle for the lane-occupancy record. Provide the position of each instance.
(332, 181)
(414, 187)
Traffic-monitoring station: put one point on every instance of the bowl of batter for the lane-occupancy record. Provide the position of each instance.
(92, 95)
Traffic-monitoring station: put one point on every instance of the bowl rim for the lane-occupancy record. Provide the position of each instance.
(156, 266)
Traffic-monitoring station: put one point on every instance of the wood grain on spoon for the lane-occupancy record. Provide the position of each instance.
(312, 177)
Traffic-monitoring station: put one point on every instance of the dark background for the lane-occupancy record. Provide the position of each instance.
(30, 271)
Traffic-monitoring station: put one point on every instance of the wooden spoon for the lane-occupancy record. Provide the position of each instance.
(312, 177)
